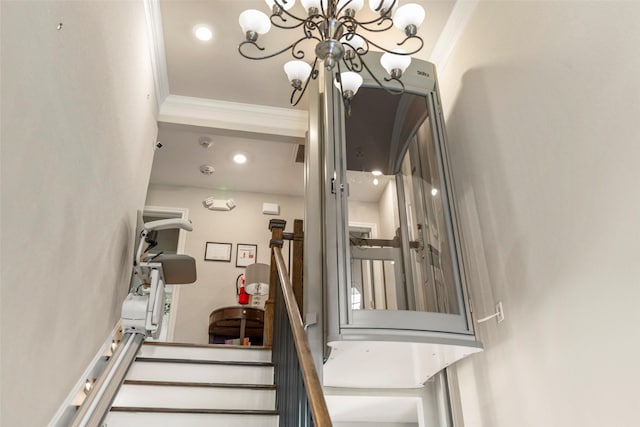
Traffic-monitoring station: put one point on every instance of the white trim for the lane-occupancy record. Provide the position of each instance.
(171, 212)
(65, 413)
(458, 19)
(218, 114)
(372, 226)
(156, 49)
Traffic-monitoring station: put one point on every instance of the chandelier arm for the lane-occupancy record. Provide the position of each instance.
(313, 75)
(289, 14)
(413, 37)
(296, 54)
(395, 53)
(377, 9)
(386, 20)
(344, 6)
(282, 19)
(401, 91)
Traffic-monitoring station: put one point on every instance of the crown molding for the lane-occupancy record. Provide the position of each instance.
(156, 49)
(211, 113)
(458, 19)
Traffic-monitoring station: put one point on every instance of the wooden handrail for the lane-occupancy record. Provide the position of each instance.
(317, 403)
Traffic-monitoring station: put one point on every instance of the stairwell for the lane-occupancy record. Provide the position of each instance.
(190, 385)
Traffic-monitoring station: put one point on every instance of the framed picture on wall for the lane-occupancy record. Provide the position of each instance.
(246, 254)
(215, 251)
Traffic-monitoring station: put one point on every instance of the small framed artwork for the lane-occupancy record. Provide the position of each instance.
(215, 251)
(246, 254)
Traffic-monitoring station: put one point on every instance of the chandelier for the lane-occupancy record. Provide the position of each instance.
(340, 40)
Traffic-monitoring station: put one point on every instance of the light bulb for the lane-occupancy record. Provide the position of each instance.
(297, 72)
(351, 82)
(376, 172)
(409, 18)
(254, 21)
(395, 64)
(376, 181)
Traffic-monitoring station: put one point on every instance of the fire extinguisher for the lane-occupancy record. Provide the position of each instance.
(243, 297)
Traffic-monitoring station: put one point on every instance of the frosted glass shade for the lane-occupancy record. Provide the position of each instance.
(356, 5)
(297, 70)
(307, 4)
(356, 42)
(350, 82)
(409, 14)
(386, 4)
(254, 20)
(286, 6)
(390, 61)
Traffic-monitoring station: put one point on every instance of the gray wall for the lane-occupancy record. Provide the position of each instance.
(543, 108)
(77, 132)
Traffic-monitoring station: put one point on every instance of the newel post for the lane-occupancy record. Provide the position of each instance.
(277, 229)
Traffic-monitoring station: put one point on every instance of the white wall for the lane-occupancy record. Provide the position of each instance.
(77, 132)
(215, 287)
(543, 108)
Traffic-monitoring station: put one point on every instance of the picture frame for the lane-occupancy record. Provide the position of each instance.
(246, 254)
(216, 251)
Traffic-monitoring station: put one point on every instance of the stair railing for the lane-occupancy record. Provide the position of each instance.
(299, 396)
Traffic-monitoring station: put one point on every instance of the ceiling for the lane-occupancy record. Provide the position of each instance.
(214, 71)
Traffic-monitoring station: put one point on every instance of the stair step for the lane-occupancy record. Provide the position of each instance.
(202, 384)
(179, 370)
(201, 361)
(200, 397)
(206, 352)
(178, 417)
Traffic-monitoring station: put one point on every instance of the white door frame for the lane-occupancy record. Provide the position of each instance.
(171, 212)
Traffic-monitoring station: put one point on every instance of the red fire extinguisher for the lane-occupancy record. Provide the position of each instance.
(243, 297)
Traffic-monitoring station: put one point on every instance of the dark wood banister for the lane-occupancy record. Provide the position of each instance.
(317, 403)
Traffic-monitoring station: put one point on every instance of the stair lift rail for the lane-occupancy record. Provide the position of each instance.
(142, 313)
(97, 404)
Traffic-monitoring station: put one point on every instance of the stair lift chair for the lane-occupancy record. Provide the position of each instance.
(143, 309)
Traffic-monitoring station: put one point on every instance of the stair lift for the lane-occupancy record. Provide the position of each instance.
(142, 313)
(143, 309)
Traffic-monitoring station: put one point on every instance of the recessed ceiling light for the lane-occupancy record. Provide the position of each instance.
(375, 181)
(240, 159)
(202, 33)
(376, 173)
(434, 191)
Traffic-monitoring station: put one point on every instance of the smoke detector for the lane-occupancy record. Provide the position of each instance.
(205, 142)
(207, 169)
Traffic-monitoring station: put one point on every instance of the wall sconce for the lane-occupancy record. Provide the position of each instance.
(218, 205)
